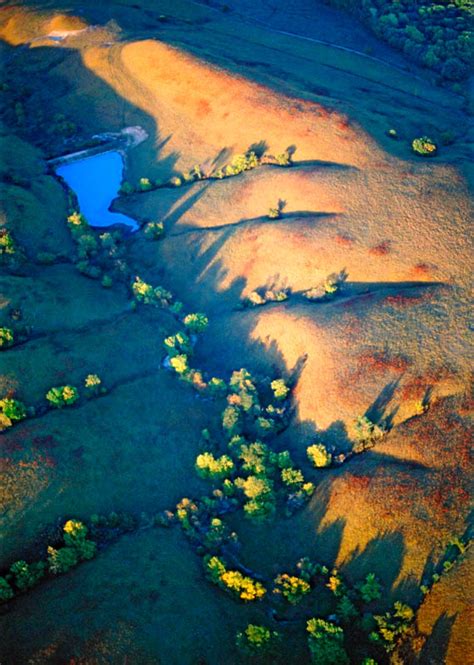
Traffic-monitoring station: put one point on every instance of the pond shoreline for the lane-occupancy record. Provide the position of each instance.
(129, 137)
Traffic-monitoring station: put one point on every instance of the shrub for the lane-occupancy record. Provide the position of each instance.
(393, 626)
(276, 295)
(284, 158)
(239, 585)
(336, 584)
(148, 295)
(86, 246)
(7, 244)
(231, 420)
(7, 338)
(143, 291)
(346, 609)
(217, 386)
(274, 213)
(280, 389)
(12, 409)
(293, 588)
(367, 434)
(242, 586)
(424, 146)
(60, 396)
(6, 592)
(27, 575)
(126, 188)
(61, 560)
(180, 363)
(107, 281)
(93, 385)
(176, 181)
(196, 322)
(75, 535)
(292, 477)
(326, 643)
(77, 222)
(145, 184)
(319, 455)
(178, 344)
(254, 299)
(209, 466)
(154, 230)
(255, 640)
(370, 589)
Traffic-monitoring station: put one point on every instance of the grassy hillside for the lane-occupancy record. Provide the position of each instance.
(386, 338)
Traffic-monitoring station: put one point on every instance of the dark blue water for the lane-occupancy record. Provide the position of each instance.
(96, 181)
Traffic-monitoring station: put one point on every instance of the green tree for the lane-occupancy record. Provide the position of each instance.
(370, 589)
(280, 389)
(257, 640)
(27, 575)
(209, 466)
(6, 592)
(60, 396)
(319, 455)
(154, 230)
(7, 338)
(393, 626)
(291, 587)
(196, 322)
(13, 409)
(326, 643)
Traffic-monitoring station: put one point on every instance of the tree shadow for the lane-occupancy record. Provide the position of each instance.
(377, 411)
(435, 649)
(382, 555)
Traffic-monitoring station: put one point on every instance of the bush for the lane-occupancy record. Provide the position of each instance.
(12, 409)
(424, 146)
(178, 344)
(280, 389)
(27, 575)
(255, 640)
(62, 396)
(293, 588)
(6, 592)
(77, 222)
(154, 230)
(367, 434)
(239, 585)
(319, 455)
(7, 244)
(126, 188)
(209, 466)
(292, 477)
(196, 322)
(393, 626)
(370, 589)
(326, 643)
(107, 281)
(217, 386)
(346, 609)
(145, 185)
(180, 363)
(62, 560)
(7, 338)
(231, 420)
(93, 385)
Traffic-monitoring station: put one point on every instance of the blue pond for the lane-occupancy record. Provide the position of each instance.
(96, 181)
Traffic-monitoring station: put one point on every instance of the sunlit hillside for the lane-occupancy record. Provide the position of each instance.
(234, 421)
